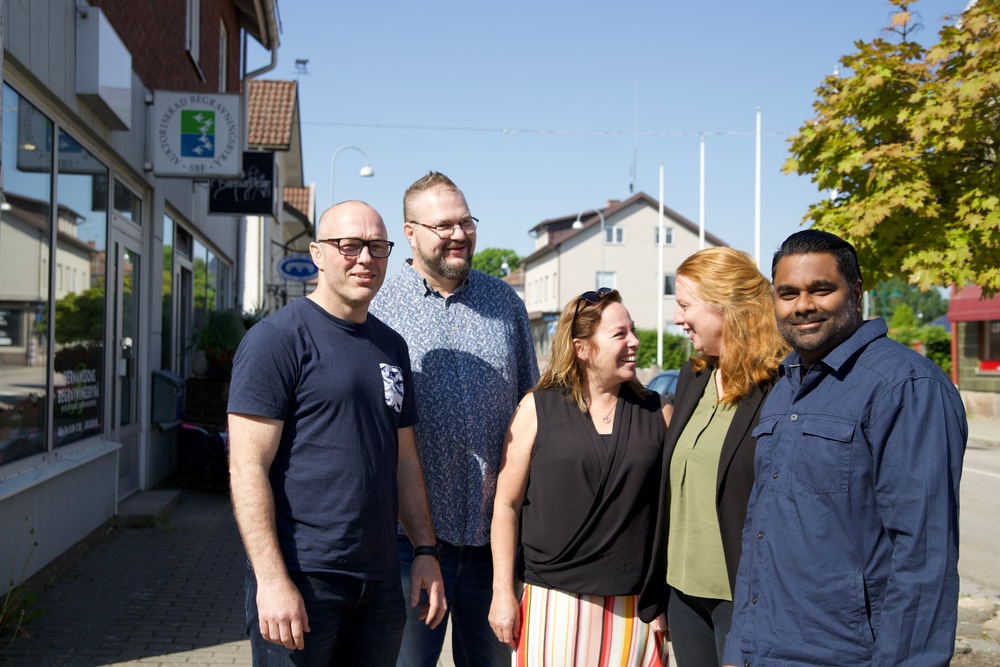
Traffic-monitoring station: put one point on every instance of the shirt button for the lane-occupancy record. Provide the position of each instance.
(746, 663)
(754, 600)
(760, 535)
(775, 475)
(794, 418)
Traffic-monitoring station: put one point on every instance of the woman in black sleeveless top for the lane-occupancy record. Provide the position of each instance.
(580, 476)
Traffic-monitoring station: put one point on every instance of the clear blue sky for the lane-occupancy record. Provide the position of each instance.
(434, 85)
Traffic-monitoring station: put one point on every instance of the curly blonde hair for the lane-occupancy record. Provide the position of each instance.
(730, 281)
(563, 371)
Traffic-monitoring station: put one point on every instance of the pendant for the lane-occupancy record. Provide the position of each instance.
(606, 419)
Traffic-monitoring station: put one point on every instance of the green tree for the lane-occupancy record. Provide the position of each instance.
(80, 317)
(928, 305)
(903, 317)
(908, 144)
(491, 261)
(675, 350)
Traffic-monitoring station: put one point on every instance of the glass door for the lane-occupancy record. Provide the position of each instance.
(126, 276)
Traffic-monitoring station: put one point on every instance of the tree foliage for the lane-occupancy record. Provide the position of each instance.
(491, 261)
(675, 350)
(80, 317)
(886, 297)
(908, 142)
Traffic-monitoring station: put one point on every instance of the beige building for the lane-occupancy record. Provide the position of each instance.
(572, 255)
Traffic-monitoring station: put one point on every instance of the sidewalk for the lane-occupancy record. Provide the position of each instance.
(172, 593)
(984, 433)
(151, 595)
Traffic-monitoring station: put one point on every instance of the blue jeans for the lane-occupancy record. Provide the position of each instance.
(351, 622)
(698, 628)
(468, 586)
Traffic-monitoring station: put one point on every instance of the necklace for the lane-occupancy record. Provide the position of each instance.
(606, 418)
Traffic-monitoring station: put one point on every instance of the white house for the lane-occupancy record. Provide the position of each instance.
(572, 256)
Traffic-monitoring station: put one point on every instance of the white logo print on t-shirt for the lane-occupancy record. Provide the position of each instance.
(392, 384)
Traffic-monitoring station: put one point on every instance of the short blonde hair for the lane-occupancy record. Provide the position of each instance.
(434, 180)
(563, 371)
(729, 280)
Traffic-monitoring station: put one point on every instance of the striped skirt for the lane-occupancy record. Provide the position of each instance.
(561, 629)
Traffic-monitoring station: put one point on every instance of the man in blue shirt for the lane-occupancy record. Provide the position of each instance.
(473, 359)
(323, 463)
(850, 548)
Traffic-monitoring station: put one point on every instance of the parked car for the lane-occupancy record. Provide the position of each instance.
(664, 383)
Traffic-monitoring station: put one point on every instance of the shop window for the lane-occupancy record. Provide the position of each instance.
(989, 360)
(81, 248)
(25, 294)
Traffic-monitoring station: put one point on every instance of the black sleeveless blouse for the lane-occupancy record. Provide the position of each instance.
(589, 512)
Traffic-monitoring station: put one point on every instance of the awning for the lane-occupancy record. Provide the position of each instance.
(969, 306)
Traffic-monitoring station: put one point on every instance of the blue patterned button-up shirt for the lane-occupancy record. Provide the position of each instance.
(473, 359)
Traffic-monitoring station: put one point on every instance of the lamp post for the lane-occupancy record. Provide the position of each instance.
(578, 224)
(366, 171)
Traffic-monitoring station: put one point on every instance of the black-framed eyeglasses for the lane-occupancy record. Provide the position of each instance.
(446, 230)
(350, 247)
(590, 297)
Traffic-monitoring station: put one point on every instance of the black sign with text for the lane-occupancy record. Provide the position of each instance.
(251, 195)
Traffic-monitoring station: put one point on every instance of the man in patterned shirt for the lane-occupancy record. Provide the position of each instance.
(473, 359)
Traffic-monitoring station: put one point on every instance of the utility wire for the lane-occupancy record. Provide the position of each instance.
(507, 130)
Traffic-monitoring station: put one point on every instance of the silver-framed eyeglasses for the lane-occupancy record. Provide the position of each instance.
(446, 230)
(350, 247)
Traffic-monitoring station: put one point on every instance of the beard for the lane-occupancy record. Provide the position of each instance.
(455, 269)
(835, 328)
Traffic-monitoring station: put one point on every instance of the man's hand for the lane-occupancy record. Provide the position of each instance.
(282, 614)
(425, 574)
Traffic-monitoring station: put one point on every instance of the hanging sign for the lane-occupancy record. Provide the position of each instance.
(251, 195)
(297, 268)
(196, 135)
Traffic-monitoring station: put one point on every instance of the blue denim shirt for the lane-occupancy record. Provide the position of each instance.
(850, 548)
(473, 359)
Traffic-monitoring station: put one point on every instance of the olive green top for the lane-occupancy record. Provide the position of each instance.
(696, 563)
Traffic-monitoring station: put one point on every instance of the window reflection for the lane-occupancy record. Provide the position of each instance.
(25, 234)
(81, 251)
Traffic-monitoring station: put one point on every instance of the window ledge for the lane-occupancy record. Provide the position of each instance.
(53, 465)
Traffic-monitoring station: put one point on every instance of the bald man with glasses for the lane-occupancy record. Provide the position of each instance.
(323, 464)
(473, 359)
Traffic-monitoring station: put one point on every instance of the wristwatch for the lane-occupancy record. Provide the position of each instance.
(428, 550)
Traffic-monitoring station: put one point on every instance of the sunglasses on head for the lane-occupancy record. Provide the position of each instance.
(590, 297)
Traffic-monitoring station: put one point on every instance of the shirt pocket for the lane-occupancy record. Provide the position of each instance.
(762, 457)
(823, 457)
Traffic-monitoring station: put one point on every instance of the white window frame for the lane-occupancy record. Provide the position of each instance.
(614, 235)
(223, 55)
(606, 279)
(668, 234)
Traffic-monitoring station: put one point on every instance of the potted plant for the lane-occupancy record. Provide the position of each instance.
(218, 339)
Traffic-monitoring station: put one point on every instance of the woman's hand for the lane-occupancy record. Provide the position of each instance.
(505, 618)
(659, 624)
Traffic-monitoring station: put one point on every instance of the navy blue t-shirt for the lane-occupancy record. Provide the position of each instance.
(343, 391)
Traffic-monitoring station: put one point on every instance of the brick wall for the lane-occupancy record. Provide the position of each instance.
(154, 33)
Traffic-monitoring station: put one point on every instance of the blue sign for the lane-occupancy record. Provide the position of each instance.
(299, 268)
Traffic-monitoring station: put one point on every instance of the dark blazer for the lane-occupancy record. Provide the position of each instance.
(732, 487)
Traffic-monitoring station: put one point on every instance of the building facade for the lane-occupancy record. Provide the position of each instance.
(107, 266)
(617, 246)
(975, 351)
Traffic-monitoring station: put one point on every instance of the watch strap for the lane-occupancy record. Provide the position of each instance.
(428, 550)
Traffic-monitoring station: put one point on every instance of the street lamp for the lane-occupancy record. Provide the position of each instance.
(578, 224)
(366, 171)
